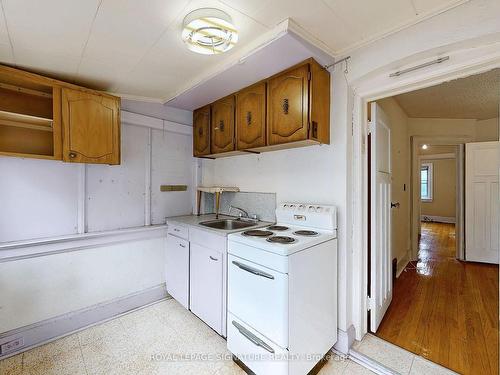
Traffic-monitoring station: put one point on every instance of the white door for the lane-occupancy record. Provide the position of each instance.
(205, 296)
(482, 202)
(380, 216)
(177, 269)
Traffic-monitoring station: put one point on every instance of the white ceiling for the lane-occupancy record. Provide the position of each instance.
(133, 47)
(473, 97)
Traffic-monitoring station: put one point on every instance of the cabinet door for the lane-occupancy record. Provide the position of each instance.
(288, 106)
(91, 127)
(251, 117)
(205, 295)
(177, 269)
(223, 125)
(201, 131)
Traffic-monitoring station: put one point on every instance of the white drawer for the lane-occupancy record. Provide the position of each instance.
(208, 239)
(258, 353)
(259, 296)
(178, 230)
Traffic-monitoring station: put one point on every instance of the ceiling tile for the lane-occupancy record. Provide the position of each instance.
(57, 66)
(169, 65)
(373, 18)
(126, 29)
(314, 16)
(52, 26)
(429, 6)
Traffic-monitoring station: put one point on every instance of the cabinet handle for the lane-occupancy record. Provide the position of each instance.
(249, 118)
(211, 257)
(285, 106)
(251, 337)
(72, 154)
(176, 230)
(200, 131)
(221, 126)
(181, 245)
(252, 270)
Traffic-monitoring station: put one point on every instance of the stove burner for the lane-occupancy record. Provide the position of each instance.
(281, 239)
(277, 227)
(258, 233)
(309, 233)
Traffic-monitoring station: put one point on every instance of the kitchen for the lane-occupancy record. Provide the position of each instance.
(102, 216)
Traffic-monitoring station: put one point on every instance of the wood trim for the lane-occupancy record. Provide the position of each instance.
(56, 123)
(10, 251)
(46, 81)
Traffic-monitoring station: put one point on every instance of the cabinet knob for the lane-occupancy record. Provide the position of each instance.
(72, 154)
(200, 131)
(285, 106)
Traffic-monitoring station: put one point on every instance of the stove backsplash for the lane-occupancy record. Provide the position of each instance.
(262, 204)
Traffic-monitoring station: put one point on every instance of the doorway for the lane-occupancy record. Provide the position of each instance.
(440, 306)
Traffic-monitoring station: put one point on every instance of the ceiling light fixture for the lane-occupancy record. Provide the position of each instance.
(425, 147)
(209, 31)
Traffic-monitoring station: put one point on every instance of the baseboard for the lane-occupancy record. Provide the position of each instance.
(402, 264)
(438, 219)
(51, 329)
(345, 339)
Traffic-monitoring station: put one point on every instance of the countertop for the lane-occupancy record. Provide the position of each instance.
(195, 220)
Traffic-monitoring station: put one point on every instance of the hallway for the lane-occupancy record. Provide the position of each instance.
(443, 309)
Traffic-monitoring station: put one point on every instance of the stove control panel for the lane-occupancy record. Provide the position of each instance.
(313, 215)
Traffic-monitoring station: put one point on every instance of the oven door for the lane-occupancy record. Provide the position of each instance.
(259, 297)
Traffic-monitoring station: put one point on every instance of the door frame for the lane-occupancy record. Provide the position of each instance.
(371, 88)
(415, 207)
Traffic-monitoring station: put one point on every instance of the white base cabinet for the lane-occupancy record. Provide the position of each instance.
(205, 270)
(177, 269)
(196, 273)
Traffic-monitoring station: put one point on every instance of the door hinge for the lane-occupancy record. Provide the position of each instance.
(370, 127)
(309, 76)
(369, 303)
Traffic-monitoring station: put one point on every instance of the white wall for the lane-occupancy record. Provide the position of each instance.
(40, 288)
(44, 199)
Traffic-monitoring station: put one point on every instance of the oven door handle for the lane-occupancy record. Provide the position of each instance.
(252, 270)
(251, 337)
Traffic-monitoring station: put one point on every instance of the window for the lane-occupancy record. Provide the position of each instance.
(426, 182)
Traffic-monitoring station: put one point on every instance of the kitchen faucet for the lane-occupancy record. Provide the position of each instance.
(242, 211)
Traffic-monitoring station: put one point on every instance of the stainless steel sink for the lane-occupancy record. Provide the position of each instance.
(227, 224)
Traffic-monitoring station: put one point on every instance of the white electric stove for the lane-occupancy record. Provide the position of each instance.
(282, 291)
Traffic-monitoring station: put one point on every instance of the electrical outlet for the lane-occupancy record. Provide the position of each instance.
(12, 345)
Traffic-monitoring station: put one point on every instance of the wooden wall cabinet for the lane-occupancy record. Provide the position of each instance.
(222, 125)
(45, 118)
(251, 117)
(201, 131)
(289, 109)
(299, 105)
(91, 127)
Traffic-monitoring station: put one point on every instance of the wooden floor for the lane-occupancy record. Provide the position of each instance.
(444, 309)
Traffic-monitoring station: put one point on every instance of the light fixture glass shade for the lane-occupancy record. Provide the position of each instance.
(209, 31)
(425, 147)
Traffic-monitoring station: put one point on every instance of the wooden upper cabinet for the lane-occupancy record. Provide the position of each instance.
(289, 109)
(91, 127)
(201, 131)
(288, 106)
(251, 117)
(222, 127)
